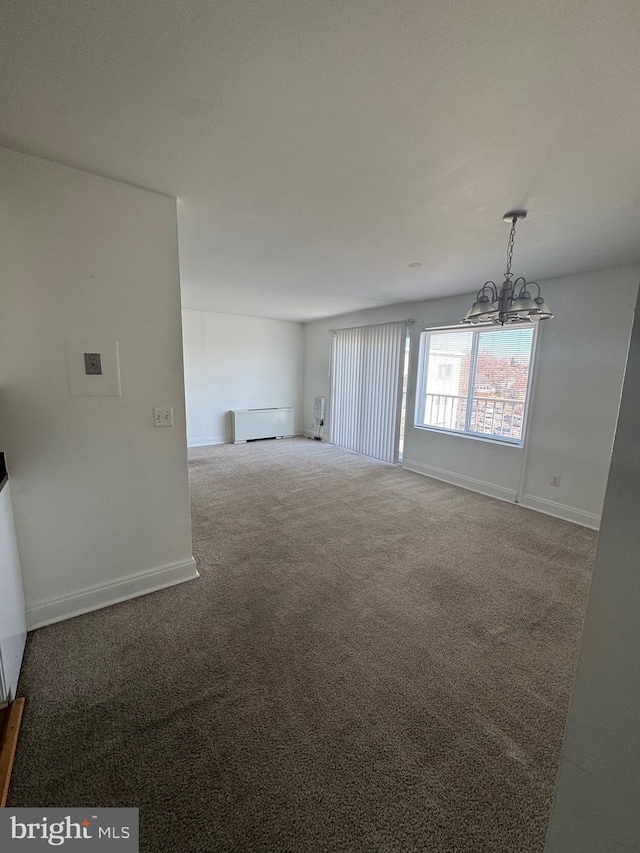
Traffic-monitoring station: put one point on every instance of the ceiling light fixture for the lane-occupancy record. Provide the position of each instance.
(415, 264)
(504, 306)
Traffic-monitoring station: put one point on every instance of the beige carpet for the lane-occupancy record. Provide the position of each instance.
(371, 661)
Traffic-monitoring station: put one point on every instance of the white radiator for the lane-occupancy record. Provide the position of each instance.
(261, 423)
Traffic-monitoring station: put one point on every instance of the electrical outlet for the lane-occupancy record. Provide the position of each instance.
(163, 416)
(555, 479)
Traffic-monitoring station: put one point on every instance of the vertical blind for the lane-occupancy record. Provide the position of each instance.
(366, 389)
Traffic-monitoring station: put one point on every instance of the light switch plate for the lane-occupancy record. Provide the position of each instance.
(163, 416)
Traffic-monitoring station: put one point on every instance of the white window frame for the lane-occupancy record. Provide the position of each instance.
(421, 387)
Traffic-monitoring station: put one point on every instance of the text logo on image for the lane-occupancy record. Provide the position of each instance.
(75, 829)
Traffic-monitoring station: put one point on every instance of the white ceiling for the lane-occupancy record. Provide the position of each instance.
(317, 147)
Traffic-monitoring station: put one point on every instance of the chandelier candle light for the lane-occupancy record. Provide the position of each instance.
(504, 306)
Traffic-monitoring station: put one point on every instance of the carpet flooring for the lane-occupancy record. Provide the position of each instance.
(371, 661)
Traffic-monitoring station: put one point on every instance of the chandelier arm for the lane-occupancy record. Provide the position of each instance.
(492, 288)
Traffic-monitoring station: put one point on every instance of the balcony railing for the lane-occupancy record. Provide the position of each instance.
(495, 416)
(447, 411)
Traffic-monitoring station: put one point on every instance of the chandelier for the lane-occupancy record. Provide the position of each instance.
(513, 303)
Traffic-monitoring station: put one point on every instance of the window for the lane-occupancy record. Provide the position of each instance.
(475, 381)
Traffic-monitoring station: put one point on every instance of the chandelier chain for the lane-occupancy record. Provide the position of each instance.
(512, 237)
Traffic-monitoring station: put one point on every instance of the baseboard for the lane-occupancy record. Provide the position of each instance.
(104, 595)
(454, 479)
(205, 442)
(566, 513)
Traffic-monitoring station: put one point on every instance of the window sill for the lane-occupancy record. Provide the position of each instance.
(517, 445)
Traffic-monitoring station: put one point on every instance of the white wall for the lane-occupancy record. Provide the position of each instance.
(235, 362)
(100, 497)
(596, 802)
(578, 376)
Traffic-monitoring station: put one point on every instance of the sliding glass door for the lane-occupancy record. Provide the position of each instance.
(366, 389)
